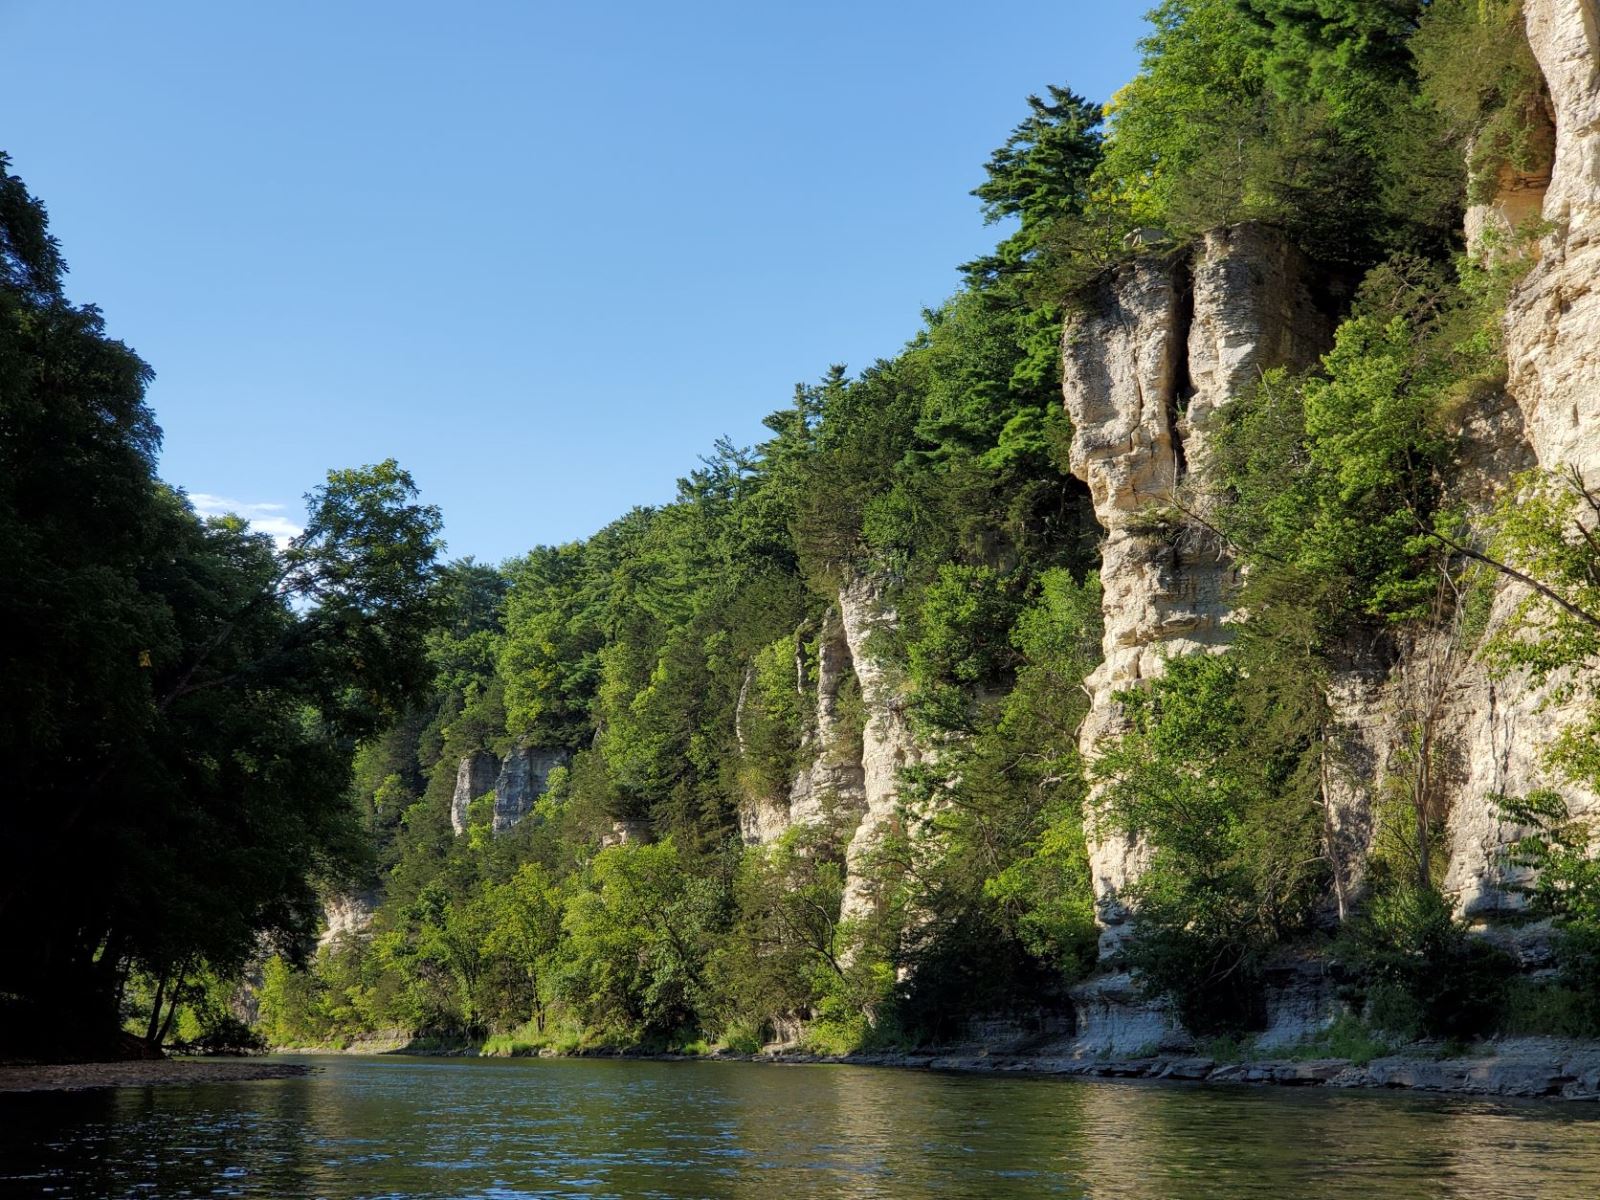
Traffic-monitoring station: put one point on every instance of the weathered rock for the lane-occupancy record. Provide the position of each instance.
(831, 785)
(347, 916)
(475, 776)
(1117, 1020)
(626, 833)
(1301, 1002)
(1501, 726)
(1553, 321)
(852, 781)
(836, 778)
(522, 781)
(887, 741)
(1146, 367)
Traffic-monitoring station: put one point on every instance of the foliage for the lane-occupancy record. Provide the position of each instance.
(1349, 1037)
(1423, 974)
(1222, 796)
(1177, 155)
(634, 959)
(183, 698)
(1559, 874)
(1336, 473)
(1476, 66)
(1002, 886)
(193, 710)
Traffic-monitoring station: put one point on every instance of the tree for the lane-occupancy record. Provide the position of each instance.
(183, 699)
(634, 960)
(1040, 176)
(524, 933)
(1332, 48)
(1233, 824)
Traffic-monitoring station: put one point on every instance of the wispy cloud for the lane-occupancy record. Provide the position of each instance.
(263, 517)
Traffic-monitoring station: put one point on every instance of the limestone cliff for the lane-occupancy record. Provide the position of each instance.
(1553, 359)
(522, 779)
(1170, 339)
(1146, 366)
(516, 782)
(832, 779)
(1553, 322)
(475, 777)
(347, 916)
(852, 776)
(887, 741)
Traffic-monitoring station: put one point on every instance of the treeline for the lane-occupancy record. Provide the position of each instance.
(675, 654)
(182, 698)
(664, 651)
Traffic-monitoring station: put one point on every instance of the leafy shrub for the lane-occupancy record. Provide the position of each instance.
(1424, 974)
(1213, 776)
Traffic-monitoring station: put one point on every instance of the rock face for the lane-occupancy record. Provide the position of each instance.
(887, 742)
(832, 782)
(836, 776)
(474, 777)
(1553, 358)
(1145, 370)
(347, 916)
(851, 780)
(523, 776)
(1170, 341)
(1553, 322)
(516, 782)
(626, 833)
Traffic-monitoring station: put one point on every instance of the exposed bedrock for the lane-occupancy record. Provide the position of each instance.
(522, 780)
(475, 777)
(515, 782)
(1553, 356)
(852, 778)
(1146, 367)
(887, 741)
(831, 781)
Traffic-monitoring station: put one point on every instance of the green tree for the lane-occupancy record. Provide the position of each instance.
(524, 934)
(186, 699)
(1232, 822)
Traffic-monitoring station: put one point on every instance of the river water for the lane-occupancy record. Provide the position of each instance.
(407, 1128)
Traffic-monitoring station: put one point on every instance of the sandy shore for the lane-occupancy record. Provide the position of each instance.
(69, 1077)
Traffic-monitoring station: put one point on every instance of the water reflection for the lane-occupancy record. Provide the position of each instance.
(411, 1128)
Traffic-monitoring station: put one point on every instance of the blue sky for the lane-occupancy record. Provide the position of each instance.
(542, 254)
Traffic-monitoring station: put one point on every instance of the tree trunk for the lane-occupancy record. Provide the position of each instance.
(172, 1012)
(153, 1026)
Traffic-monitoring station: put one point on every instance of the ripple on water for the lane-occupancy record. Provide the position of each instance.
(410, 1129)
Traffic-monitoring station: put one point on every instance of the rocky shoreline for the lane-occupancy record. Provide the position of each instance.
(1521, 1068)
(72, 1077)
(1512, 1068)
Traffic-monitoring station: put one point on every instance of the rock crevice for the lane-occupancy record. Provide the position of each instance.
(1146, 368)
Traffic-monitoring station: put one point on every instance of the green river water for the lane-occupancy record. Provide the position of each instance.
(404, 1128)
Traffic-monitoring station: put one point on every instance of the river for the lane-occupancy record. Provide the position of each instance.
(406, 1128)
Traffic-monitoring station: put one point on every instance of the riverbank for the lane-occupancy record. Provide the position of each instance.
(1516, 1068)
(1513, 1068)
(71, 1077)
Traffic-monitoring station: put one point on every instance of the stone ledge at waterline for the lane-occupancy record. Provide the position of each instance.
(1516, 1067)
(1510, 1068)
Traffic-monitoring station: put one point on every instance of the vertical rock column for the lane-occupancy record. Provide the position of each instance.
(1146, 366)
(887, 740)
(475, 777)
(835, 778)
(831, 782)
